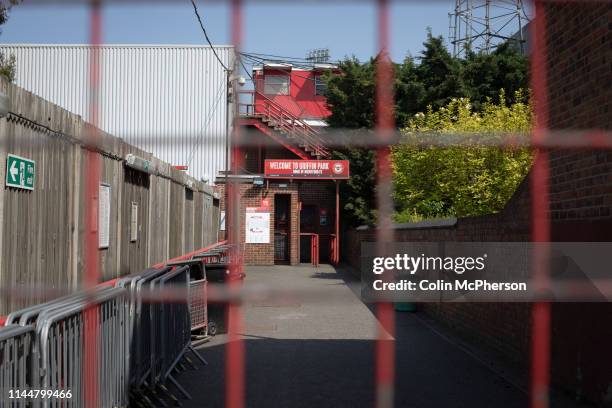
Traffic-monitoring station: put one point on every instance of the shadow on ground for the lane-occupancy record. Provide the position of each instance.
(318, 354)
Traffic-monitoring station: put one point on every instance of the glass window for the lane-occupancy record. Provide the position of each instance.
(276, 85)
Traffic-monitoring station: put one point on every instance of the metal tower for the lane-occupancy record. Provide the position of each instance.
(483, 24)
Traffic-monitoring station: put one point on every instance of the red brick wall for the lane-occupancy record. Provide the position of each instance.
(499, 327)
(252, 196)
(579, 59)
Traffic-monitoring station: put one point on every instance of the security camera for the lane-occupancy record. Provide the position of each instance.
(241, 81)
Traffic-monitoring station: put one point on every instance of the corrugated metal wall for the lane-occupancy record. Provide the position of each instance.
(167, 100)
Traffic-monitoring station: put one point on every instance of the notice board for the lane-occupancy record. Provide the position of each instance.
(257, 222)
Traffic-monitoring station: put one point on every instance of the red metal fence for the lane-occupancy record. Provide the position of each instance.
(385, 348)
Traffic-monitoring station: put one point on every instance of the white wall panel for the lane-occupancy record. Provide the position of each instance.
(168, 100)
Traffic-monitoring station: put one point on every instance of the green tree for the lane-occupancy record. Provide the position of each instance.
(485, 74)
(443, 167)
(350, 95)
(439, 73)
(358, 193)
(7, 64)
(410, 92)
(433, 78)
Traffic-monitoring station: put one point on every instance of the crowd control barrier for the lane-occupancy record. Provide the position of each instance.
(198, 297)
(139, 322)
(216, 262)
(61, 334)
(45, 347)
(120, 344)
(160, 335)
(16, 348)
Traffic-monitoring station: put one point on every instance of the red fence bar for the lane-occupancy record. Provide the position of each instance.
(235, 358)
(540, 223)
(333, 242)
(92, 172)
(314, 247)
(385, 346)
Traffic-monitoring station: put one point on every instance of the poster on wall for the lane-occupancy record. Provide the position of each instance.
(257, 225)
(104, 217)
(222, 221)
(134, 222)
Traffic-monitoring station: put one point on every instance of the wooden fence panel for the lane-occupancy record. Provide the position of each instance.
(42, 231)
(159, 220)
(188, 220)
(177, 213)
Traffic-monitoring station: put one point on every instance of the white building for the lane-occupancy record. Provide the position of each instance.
(166, 99)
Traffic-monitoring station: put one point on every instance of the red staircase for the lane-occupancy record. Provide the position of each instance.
(283, 126)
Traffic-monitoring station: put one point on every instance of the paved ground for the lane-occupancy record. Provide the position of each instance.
(319, 352)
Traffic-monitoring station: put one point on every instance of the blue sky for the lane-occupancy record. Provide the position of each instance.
(271, 27)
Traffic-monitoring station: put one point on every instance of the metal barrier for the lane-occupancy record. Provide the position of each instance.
(198, 300)
(217, 263)
(198, 303)
(16, 348)
(160, 328)
(142, 329)
(173, 323)
(60, 341)
(29, 315)
(138, 361)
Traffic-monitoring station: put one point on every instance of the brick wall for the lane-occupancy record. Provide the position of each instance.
(498, 327)
(579, 59)
(252, 196)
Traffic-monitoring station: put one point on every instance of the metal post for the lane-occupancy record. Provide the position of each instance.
(385, 346)
(235, 358)
(337, 246)
(227, 129)
(540, 223)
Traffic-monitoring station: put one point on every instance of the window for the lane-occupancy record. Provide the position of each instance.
(320, 85)
(276, 85)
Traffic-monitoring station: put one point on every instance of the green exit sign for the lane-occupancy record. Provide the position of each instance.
(20, 172)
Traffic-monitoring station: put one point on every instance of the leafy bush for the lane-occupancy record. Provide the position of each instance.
(449, 164)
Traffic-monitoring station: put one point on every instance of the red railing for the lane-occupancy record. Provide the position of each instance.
(285, 122)
(314, 247)
(333, 254)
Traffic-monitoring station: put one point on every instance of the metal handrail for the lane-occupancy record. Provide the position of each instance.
(287, 121)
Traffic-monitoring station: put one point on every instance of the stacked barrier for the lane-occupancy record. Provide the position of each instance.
(52, 350)
(16, 348)
(216, 263)
(141, 329)
(160, 330)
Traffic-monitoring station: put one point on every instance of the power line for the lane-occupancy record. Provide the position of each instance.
(299, 64)
(258, 60)
(195, 9)
(206, 124)
(277, 56)
(245, 69)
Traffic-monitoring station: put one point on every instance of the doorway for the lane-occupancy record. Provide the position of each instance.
(282, 228)
(308, 224)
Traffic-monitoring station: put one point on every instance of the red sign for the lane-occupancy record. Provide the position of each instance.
(307, 169)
